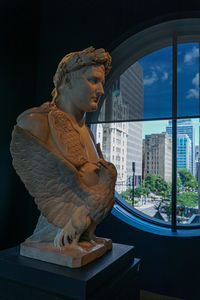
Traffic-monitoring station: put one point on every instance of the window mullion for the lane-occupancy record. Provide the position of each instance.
(174, 132)
(199, 83)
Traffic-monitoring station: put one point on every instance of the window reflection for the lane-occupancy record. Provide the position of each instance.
(143, 91)
(188, 79)
(157, 80)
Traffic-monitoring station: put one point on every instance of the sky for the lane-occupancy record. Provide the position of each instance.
(157, 75)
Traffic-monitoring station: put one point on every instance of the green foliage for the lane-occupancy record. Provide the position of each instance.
(129, 201)
(141, 190)
(178, 184)
(127, 194)
(187, 179)
(167, 206)
(153, 183)
(156, 183)
(189, 199)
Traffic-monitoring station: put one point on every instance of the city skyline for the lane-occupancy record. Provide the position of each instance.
(144, 91)
(150, 127)
(157, 74)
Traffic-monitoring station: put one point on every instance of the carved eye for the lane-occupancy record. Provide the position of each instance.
(93, 80)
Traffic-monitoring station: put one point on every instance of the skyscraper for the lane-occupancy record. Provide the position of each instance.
(114, 140)
(185, 126)
(122, 141)
(184, 153)
(132, 88)
(158, 155)
(196, 161)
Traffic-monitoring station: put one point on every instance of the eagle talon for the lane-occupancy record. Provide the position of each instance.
(93, 242)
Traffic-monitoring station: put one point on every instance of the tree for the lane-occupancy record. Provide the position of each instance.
(126, 194)
(156, 183)
(189, 199)
(187, 178)
(179, 184)
(150, 182)
(153, 183)
(141, 191)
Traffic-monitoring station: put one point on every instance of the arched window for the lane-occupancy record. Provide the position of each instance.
(148, 124)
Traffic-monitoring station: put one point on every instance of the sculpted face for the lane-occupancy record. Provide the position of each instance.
(85, 90)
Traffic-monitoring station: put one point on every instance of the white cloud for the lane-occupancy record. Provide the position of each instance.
(191, 55)
(165, 76)
(195, 80)
(157, 68)
(149, 80)
(194, 93)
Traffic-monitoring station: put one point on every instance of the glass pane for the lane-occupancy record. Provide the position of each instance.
(157, 79)
(143, 91)
(187, 171)
(188, 80)
(142, 154)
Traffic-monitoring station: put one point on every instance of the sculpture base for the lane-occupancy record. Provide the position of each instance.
(114, 276)
(65, 256)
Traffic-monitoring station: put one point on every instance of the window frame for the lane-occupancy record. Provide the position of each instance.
(159, 36)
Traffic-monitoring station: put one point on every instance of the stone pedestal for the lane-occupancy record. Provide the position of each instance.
(65, 256)
(112, 276)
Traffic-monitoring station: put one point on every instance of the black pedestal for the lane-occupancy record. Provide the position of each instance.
(113, 276)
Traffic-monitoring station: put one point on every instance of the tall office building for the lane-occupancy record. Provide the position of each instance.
(196, 152)
(184, 152)
(158, 155)
(197, 161)
(143, 159)
(132, 88)
(122, 141)
(185, 126)
(113, 140)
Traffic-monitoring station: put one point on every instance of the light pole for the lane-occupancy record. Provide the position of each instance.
(133, 181)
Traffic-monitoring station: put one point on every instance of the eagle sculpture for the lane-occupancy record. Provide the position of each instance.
(59, 191)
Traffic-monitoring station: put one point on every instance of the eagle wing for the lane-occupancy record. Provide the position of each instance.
(52, 180)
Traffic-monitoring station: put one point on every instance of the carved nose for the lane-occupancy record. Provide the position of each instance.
(100, 90)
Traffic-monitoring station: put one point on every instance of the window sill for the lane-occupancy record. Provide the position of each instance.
(121, 213)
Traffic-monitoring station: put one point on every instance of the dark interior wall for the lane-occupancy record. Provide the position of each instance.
(169, 266)
(19, 32)
(34, 37)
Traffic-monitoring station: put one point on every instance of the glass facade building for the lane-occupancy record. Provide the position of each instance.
(184, 127)
(184, 154)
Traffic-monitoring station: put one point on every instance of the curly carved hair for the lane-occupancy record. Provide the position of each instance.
(77, 60)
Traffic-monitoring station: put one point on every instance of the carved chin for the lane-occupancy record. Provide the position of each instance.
(94, 105)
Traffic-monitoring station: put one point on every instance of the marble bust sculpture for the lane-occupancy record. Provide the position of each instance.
(56, 157)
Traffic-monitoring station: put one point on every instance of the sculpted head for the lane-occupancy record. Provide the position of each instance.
(79, 78)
